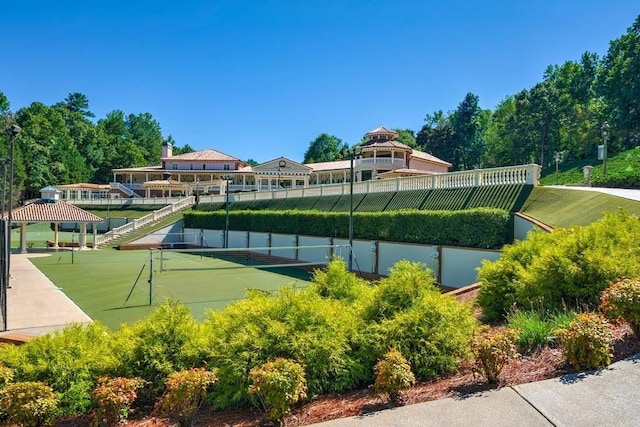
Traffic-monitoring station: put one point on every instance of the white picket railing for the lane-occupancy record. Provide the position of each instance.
(509, 175)
(144, 221)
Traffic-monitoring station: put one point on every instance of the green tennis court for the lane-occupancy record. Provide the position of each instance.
(99, 282)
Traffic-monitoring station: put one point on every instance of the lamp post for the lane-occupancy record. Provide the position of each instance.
(352, 152)
(605, 137)
(12, 132)
(227, 179)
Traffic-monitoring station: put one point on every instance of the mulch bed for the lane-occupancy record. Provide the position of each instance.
(540, 365)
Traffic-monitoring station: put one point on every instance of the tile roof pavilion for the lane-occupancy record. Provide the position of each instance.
(50, 209)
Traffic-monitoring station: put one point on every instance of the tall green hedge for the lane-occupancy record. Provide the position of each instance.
(477, 228)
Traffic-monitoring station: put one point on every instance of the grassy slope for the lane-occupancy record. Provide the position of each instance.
(560, 207)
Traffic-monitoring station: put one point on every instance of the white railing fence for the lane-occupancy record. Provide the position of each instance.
(145, 220)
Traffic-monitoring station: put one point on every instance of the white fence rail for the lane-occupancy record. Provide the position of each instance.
(144, 221)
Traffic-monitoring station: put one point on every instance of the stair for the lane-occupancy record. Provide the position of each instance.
(144, 221)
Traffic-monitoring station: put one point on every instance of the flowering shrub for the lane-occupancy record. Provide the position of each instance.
(114, 397)
(621, 301)
(278, 385)
(587, 342)
(393, 374)
(185, 392)
(6, 375)
(492, 349)
(28, 403)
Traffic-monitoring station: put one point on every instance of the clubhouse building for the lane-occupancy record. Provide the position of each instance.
(381, 156)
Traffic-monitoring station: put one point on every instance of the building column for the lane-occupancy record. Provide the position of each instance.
(82, 240)
(23, 237)
(95, 235)
(56, 234)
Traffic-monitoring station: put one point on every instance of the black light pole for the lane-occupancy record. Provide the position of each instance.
(605, 136)
(227, 179)
(13, 131)
(351, 152)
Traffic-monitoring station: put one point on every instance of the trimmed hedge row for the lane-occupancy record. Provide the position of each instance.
(477, 228)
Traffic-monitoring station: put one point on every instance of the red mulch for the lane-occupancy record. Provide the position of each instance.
(543, 364)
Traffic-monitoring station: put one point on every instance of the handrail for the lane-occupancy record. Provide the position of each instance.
(145, 220)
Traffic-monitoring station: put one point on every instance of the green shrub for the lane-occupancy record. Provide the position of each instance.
(6, 376)
(621, 301)
(278, 385)
(434, 334)
(68, 360)
(185, 392)
(587, 343)
(28, 403)
(337, 282)
(114, 397)
(537, 328)
(566, 267)
(166, 341)
(407, 282)
(290, 323)
(480, 227)
(393, 374)
(492, 348)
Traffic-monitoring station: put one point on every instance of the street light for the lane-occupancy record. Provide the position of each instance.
(12, 132)
(352, 152)
(227, 179)
(605, 137)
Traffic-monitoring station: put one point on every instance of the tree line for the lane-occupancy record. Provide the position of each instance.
(559, 117)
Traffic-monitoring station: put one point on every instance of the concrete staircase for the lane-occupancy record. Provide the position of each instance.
(144, 221)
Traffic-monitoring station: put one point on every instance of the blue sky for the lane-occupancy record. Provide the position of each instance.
(262, 79)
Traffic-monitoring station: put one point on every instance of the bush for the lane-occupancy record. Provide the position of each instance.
(537, 328)
(185, 392)
(393, 374)
(6, 376)
(480, 227)
(67, 360)
(568, 266)
(278, 385)
(166, 341)
(28, 403)
(621, 301)
(407, 282)
(337, 282)
(114, 397)
(434, 334)
(290, 323)
(587, 342)
(492, 349)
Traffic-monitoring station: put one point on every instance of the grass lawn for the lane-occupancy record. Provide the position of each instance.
(99, 282)
(39, 233)
(559, 207)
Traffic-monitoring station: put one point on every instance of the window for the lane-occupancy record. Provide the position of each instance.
(204, 166)
(174, 166)
(191, 166)
(227, 167)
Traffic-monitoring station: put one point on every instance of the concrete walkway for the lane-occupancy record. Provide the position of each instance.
(35, 305)
(604, 398)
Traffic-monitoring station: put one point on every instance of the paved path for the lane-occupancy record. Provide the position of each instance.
(35, 305)
(605, 398)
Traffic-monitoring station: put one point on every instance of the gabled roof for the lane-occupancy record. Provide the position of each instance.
(426, 156)
(385, 144)
(204, 155)
(325, 166)
(42, 211)
(381, 131)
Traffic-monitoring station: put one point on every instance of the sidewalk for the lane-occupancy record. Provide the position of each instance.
(604, 398)
(35, 305)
